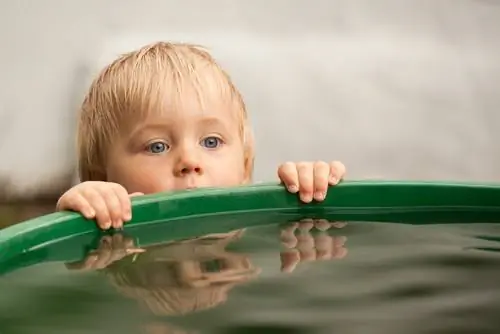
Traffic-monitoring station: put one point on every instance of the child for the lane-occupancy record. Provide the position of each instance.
(167, 117)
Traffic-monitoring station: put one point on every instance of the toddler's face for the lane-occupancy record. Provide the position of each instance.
(179, 148)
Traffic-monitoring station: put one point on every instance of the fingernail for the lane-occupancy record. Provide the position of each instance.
(306, 198)
(319, 195)
(333, 180)
(293, 188)
(89, 213)
(127, 216)
(106, 225)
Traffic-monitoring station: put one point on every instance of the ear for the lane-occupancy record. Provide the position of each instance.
(249, 153)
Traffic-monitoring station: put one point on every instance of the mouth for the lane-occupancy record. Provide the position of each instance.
(187, 186)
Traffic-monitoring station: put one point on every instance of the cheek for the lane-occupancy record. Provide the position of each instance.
(137, 176)
(228, 170)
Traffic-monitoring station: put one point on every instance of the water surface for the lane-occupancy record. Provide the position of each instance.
(308, 277)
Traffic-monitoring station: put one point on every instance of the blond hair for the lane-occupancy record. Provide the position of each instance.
(174, 298)
(136, 83)
(168, 278)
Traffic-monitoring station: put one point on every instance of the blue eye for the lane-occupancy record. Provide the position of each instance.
(211, 142)
(157, 147)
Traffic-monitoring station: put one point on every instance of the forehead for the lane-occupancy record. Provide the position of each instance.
(207, 99)
(194, 100)
(177, 83)
(192, 107)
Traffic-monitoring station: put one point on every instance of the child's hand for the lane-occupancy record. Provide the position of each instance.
(311, 179)
(306, 246)
(108, 203)
(111, 249)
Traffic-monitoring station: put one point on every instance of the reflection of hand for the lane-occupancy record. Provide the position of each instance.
(304, 246)
(111, 249)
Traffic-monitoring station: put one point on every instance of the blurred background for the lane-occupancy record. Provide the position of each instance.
(396, 89)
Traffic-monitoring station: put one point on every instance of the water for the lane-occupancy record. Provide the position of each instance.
(308, 277)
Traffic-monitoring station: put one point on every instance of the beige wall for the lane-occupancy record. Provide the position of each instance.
(395, 89)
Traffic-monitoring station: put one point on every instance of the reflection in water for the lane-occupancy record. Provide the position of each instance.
(174, 278)
(307, 246)
(178, 278)
(311, 276)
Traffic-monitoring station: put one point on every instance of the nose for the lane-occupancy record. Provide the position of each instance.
(187, 164)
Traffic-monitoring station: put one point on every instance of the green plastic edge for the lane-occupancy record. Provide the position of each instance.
(350, 200)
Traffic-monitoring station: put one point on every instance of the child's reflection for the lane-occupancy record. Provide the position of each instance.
(182, 277)
(174, 278)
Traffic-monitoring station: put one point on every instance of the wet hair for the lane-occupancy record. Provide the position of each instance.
(154, 78)
(170, 281)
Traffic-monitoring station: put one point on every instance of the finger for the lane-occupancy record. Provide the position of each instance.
(75, 201)
(125, 202)
(100, 207)
(307, 255)
(305, 246)
(86, 264)
(289, 260)
(229, 276)
(324, 246)
(104, 253)
(136, 194)
(288, 238)
(305, 239)
(134, 250)
(305, 225)
(306, 181)
(123, 245)
(287, 173)
(322, 224)
(339, 251)
(321, 180)
(103, 260)
(128, 242)
(339, 224)
(117, 255)
(114, 206)
(339, 241)
(117, 241)
(236, 264)
(337, 172)
(106, 242)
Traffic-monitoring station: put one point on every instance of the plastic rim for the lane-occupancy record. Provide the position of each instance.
(67, 236)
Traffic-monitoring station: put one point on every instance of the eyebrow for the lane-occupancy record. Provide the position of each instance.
(165, 125)
(212, 121)
(149, 126)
